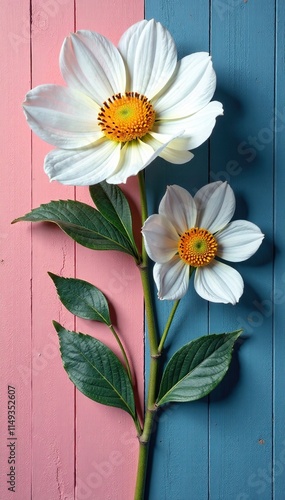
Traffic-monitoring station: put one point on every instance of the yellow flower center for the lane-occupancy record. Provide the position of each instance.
(197, 247)
(127, 117)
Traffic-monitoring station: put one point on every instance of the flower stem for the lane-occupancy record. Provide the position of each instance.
(151, 410)
(144, 439)
(141, 474)
(152, 337)
(144, 210)
(123, 352)
(154, 363)
(168, 325)
(143, 455)
(155, 353)
(128, 369)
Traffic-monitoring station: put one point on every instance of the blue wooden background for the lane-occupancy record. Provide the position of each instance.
(231, 446)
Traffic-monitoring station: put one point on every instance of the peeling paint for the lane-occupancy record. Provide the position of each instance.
(64, 254)
(59, 479)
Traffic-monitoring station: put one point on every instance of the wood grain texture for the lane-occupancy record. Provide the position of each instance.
(232, 445)
(69, 448)
(275, 306)
(15, 246)
(52, 395)
(107, 445)
(181, 444)
(240, 442)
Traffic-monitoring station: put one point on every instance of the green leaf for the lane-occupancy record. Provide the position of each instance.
(82, 223)
(197, 368)
(95, 370)
(82, 299)
(113, 205)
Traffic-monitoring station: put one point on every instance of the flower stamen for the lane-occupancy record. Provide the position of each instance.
(197, 247)
(124, 118)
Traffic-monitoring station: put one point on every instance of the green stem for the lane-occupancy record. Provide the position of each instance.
(136, 419)
(144, 210)
(155, 353)
(144, 439)
(152, 337)
(151, 410)
(168, 325)
(123, 352)
(141, 474)
(154, 364)
(143, 455)
(151, 407)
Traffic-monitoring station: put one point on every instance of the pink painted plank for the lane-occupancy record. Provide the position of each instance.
(106, 442)
(106, 439)
(53, 394)
(15, 246)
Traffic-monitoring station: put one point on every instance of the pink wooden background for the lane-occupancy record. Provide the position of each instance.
(67, 446)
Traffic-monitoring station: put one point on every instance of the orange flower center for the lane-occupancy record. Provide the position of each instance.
(197, 247)
(126, 117)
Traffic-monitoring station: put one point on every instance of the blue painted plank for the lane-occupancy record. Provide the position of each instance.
(243, 44)
(243, 151)
(276, 304)
(180, 468)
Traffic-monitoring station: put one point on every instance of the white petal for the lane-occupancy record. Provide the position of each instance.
(169, 154)
(171, 279)
(83, 167)
(216, 205)
(62, 117)
(135, 156)
(179, 207)
(197, 127)
(239, 240)
(161, 238)
(191, 88)
(218, 282)
(89, 62)
(179, 143)
(204, 194)
(150, 55)
(175, 156)
(126, 45)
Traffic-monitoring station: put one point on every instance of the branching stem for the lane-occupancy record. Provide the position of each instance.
(155, 356)
(128, 369)
(168, 325)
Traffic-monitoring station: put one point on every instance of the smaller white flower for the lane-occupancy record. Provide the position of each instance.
(189, 233)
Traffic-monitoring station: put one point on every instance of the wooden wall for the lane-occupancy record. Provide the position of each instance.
(230, 446)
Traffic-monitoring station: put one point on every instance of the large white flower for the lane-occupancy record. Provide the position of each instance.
(189, 233)
(124, 106)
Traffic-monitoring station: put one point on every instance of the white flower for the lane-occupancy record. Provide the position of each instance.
(187, 235)
(124, 106)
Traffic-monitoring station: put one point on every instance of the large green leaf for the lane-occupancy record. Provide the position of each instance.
(82, 223)
(82, 299)
(113, 205)
(197, 368)
(95, 370)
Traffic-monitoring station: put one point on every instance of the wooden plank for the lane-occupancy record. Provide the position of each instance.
(179, 459)
(53, 395)
(242, 151)
(15, 261)
(276, 304)
(241, 408)
(107, 446)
